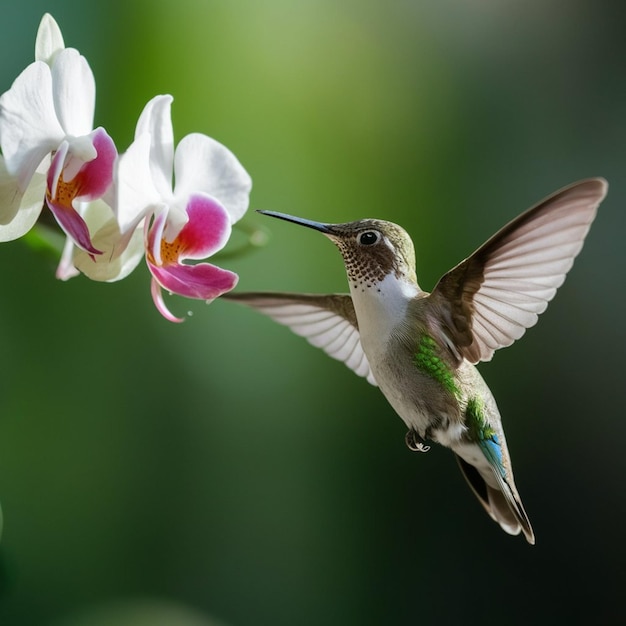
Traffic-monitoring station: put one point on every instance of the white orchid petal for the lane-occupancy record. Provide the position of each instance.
(155, 235)
(21, 224)
(177, 218)
(66, 269)
(29, 128)
(49, 40)
(74, 91)
(78, 151)
(24, 207)
(130, 258)
(136, 191)
(10, 195)
(156, 120)
(205, 165)
(82, 148)
(56, 168)
(120, 254)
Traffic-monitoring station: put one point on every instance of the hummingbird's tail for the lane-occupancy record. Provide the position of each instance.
(503, 505)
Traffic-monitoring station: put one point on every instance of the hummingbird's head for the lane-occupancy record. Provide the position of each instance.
(371, 249)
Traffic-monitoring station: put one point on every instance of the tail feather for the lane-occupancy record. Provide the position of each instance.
(503, 505)
(501, 512)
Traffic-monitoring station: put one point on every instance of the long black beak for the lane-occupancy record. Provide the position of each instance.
(323, 228)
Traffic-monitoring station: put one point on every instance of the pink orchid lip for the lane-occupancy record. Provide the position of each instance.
(206, 231)
(202, 281)
(157, 298)
(90, 181)
(74, 226)
(154, 237)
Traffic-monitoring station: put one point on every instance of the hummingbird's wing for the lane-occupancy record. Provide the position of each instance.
(326, 321)
(491, 298)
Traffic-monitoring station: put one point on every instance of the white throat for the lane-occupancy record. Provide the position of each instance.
(380, 308)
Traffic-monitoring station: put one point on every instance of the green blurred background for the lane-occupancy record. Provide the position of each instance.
(223, 471)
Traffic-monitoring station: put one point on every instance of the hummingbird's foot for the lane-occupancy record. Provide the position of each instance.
(415, 443)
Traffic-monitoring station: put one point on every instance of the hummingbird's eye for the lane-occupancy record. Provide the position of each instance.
(369, 237)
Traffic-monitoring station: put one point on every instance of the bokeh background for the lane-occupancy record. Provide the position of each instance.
(223, 471)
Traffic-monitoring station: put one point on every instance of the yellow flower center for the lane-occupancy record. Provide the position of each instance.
(65, 192)
(171, 251)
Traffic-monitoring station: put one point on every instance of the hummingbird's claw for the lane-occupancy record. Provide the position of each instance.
(415, 443)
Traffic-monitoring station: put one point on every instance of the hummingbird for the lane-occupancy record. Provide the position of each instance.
(421, 348)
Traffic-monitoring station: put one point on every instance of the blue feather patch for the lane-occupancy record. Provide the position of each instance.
(482, 433)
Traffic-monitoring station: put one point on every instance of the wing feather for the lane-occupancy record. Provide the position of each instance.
(325, 321)
(492, 297)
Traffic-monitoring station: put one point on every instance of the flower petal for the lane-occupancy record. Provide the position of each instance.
(206, 231)
(154, 237)
(120, 254)
(10, 194)
(74, 91)
(49, 40)
(87, 182)
(73, 225)
(29, 129)
(203, 164)
(66, 268)
(60, 195)
(156, 120)
(176, 219)
(19, 210)
(202, 281)
(55, 171)
(95, 176)
(82, 170)
(135, 193)
(157, 297)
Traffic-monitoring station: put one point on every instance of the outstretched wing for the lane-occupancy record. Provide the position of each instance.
(491, 298)
(326, 321)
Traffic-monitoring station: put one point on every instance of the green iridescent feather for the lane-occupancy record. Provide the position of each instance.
(476, 422)
(427, 361)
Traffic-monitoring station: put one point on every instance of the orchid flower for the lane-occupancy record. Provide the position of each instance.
(189, 219)
(49, 148)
